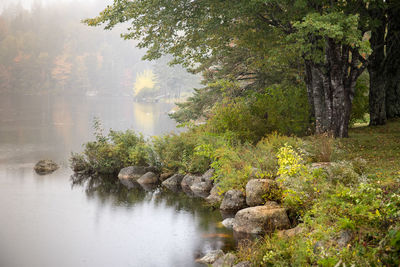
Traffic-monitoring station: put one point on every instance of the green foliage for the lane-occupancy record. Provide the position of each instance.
(352, 198)
(341, 27)
(300, 184)
(237, 121)
(109, 154)
(199, 105)
(286, 107)
(361, 100)
(235, 164)
(249, 118)
(364, 212)
(176, 152)
(344, 172)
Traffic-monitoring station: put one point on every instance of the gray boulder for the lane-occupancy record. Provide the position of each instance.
(202, 185)
(45, 166)
(234, 200)
(188, 181)
(261, 219)
(148, 178)
(215, 196)
(345, 237)
(257, 189)
(211, 257)
(173, 182)
(151, 169)
(164, 176)
(227, 260)
(132, 172)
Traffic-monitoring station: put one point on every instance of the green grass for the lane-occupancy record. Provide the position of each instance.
(379, 146)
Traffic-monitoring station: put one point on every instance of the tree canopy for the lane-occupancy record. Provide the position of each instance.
(262, 42)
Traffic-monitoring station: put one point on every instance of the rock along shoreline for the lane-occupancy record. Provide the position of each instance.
(247, 213)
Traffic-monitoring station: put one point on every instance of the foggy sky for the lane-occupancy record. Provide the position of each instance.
(28, 3)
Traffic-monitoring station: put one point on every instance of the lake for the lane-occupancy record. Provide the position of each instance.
(62, 220)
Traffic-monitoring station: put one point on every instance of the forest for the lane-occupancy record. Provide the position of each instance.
(38, 56)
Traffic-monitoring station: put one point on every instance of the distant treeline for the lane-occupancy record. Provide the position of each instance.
(47, 49)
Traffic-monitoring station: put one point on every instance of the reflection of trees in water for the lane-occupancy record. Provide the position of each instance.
(108, 190)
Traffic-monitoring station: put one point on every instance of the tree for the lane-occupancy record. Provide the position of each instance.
(384, 62)
(328, 34)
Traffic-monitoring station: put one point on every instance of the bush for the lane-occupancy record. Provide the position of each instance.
(344, 172)
(236, 120)
(300, 185)
(247, 119)
(109, 154)
(235, 164)
(286, 109)
(176, 153)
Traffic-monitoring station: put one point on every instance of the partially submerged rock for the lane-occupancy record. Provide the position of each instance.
(261, 219)
(211, 257)
(132, 172)
(188, 181)
(174, 182)
(234, 200)
(45, 166)
(148, 178)
(202, 185)
(215, 196)
(164, 176)
(257, 190)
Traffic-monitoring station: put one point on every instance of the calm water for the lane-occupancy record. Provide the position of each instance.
(56, 220)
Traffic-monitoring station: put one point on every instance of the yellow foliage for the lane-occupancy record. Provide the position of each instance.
(146, 79)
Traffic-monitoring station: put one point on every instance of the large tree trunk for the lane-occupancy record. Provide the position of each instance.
(392, 66)
(377, 95)
(331, 86)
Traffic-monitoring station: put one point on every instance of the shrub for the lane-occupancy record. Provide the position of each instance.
(286, 109)
(249, 118)
(300, 184)
(176, 152)
(235, 164)
(110, 153)
(343, 172)
(236, 120)
(78, 163)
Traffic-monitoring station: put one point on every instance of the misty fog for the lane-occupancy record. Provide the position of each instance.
(44, 48)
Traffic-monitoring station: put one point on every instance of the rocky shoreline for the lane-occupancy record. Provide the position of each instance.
(248, 213)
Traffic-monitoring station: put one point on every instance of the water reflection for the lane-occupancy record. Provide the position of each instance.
(54, 125)
(98, 222)
(212, 235)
